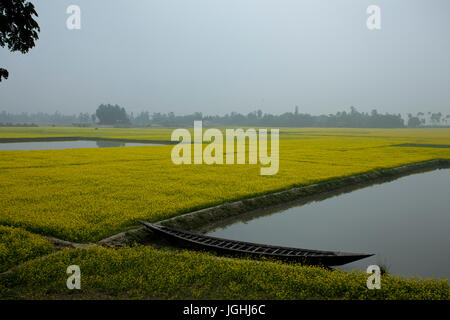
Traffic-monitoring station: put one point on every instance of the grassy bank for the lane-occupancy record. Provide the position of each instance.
(148, 273)
(18, 246)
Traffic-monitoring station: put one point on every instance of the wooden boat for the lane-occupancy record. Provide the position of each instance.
(304, 256)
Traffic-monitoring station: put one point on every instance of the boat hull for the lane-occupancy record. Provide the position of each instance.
(233, 247)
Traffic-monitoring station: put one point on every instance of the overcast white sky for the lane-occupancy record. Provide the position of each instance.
(217, 56)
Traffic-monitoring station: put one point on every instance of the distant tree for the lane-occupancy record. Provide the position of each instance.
(142, 119)
(18, 29)
(413, 122)
(436, 117)
(84, 118)
(109, 114)
(198, 115)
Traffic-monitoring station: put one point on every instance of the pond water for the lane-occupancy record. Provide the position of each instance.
(75, 144)
(405, 223)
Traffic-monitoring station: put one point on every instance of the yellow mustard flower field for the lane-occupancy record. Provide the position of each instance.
(85, 195)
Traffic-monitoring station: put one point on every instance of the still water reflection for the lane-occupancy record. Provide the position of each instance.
(405, 222)
(54, 145)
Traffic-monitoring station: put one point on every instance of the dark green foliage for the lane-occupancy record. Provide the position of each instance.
(352, 119)
(414, 122)
(18, 29)
(109, 114)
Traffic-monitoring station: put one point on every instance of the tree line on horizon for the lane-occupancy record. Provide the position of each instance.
(114, 115)
(19, 31)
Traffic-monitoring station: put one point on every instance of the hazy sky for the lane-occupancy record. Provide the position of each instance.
(217, 56)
